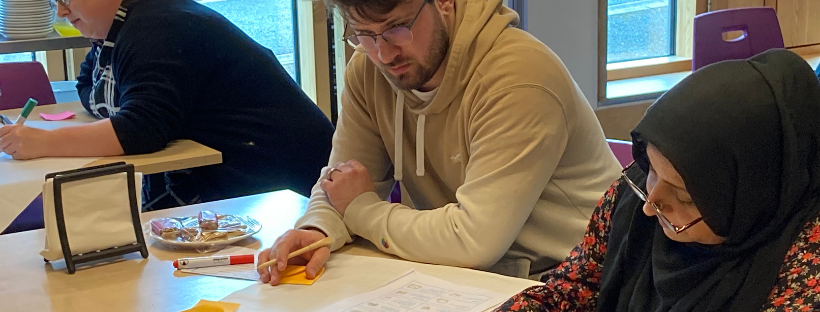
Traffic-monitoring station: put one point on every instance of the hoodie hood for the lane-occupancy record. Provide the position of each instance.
(478, 23)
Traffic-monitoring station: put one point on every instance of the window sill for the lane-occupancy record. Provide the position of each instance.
(648, 67)
(644, 62)
(627, 88)
(643, 88)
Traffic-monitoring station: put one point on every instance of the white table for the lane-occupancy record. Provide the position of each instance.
(131, 283)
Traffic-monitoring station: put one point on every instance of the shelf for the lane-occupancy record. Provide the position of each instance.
(51, 42)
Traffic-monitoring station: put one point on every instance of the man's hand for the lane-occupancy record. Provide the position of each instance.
(22, 142)
(287, 243)
(345, 182)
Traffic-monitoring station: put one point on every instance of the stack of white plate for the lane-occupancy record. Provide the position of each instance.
(26, 19)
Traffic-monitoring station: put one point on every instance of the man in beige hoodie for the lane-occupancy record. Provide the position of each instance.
(501, 155)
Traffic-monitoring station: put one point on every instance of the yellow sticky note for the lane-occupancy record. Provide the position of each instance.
(295, 274)
(213, 306)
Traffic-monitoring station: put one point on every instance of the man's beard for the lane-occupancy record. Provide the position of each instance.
(436, 54)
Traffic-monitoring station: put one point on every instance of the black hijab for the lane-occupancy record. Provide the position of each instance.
(744, 137)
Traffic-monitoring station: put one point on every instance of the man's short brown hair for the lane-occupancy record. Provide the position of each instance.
(365, 10)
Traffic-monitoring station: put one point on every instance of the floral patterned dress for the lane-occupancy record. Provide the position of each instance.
(575, 283)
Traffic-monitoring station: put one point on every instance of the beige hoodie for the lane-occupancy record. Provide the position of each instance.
(504, 166)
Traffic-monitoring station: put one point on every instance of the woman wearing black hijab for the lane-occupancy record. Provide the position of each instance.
(721, 211)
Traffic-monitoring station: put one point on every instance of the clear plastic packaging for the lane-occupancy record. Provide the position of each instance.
(167, 228)
(208, 220)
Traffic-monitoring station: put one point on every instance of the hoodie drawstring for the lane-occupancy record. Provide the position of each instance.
(398, 136)
(420, 146)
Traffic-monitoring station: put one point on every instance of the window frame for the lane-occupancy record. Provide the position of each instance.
(671, 66)
(519, 6)
(685, 10)
(673, 42)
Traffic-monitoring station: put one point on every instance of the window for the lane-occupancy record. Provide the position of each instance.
(17, 57)
(640, 29)
(269, 22)
(647, 47)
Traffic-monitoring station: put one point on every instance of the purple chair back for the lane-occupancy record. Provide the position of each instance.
(395, 194)
(761, 32)
(21, 81)
(622, 151)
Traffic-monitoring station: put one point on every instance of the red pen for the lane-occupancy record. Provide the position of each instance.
(201, 262)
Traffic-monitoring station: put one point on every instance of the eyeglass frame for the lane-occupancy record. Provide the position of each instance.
(63, 2)
(409, 27)
(643, 196)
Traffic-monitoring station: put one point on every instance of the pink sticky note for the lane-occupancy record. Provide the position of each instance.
(59, 116)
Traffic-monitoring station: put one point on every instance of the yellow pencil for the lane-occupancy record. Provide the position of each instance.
(321, 243)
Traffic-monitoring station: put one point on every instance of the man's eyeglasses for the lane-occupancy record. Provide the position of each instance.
(642, 195)
(63, 2)
(399, 35)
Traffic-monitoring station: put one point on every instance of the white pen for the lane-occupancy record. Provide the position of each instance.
(201, 262)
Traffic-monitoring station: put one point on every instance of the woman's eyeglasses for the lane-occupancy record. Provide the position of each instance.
(642, 195)
(399, 35)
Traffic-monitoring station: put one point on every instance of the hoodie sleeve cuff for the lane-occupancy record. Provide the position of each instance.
(357, 216)
(331, 225)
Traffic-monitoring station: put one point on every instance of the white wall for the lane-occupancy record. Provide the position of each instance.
(570, 28)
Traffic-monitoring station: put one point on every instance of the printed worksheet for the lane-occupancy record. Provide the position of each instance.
(416, 292)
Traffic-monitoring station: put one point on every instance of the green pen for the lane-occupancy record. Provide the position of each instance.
(26, 111)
